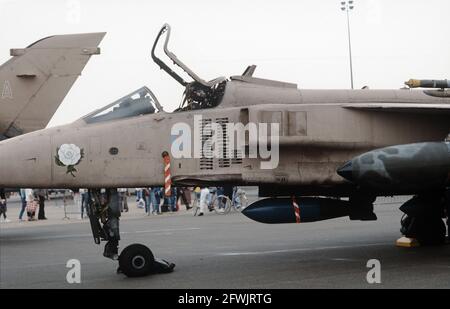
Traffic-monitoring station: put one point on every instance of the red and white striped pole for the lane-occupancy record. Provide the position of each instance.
(296, 210)
(167, 175)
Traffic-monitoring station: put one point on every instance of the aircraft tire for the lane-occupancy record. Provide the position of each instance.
(428, 231)
(136, 260)
(423, 220)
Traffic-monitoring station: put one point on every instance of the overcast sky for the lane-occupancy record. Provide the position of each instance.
(304, 42)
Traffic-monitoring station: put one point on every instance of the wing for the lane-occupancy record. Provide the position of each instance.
(431, 108)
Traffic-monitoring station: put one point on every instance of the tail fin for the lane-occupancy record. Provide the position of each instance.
(35, 81)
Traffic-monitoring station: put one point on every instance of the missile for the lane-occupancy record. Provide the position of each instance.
(428, 83)
(296, 210)
(411, 167)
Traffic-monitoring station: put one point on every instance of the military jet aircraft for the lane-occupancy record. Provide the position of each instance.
(34, 82)
(306, 150)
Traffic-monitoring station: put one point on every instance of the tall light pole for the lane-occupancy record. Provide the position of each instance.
(347, 6)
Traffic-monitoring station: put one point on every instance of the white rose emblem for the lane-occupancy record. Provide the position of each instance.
(69, 155)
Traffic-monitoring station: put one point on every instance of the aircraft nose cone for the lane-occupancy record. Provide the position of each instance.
(346, 171)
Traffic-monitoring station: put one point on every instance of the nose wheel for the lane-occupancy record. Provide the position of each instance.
(137, 261)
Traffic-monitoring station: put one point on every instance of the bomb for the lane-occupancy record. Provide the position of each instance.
(296, 210)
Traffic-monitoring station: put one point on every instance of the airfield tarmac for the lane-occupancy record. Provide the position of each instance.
(222, 251)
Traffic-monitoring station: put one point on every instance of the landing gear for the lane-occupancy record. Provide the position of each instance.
(111, 250)
(423, 218)
(135, 260)
(104, 213)
(447, 212)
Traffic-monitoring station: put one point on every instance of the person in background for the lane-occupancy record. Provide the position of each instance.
(141, 204)
(146, 198)
(31, 204)
(23, 199)
(152, 200)
(138, 194)
(204, 195)
(170, 202)
(3, 208)
(188, 196)
(197, 191)
(209, 199)
(182, 196)
(41, 194)
(220, 201)
(173, 199)
(229, 191)
(157, 192)
(166, 207)
(196, 203)
(77, 198)
(84, 202)
(123, 199)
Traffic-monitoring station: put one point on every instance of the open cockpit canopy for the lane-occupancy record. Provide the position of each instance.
(198, 93)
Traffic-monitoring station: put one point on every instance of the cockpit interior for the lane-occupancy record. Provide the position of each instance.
(198, 94)
(138, 103)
